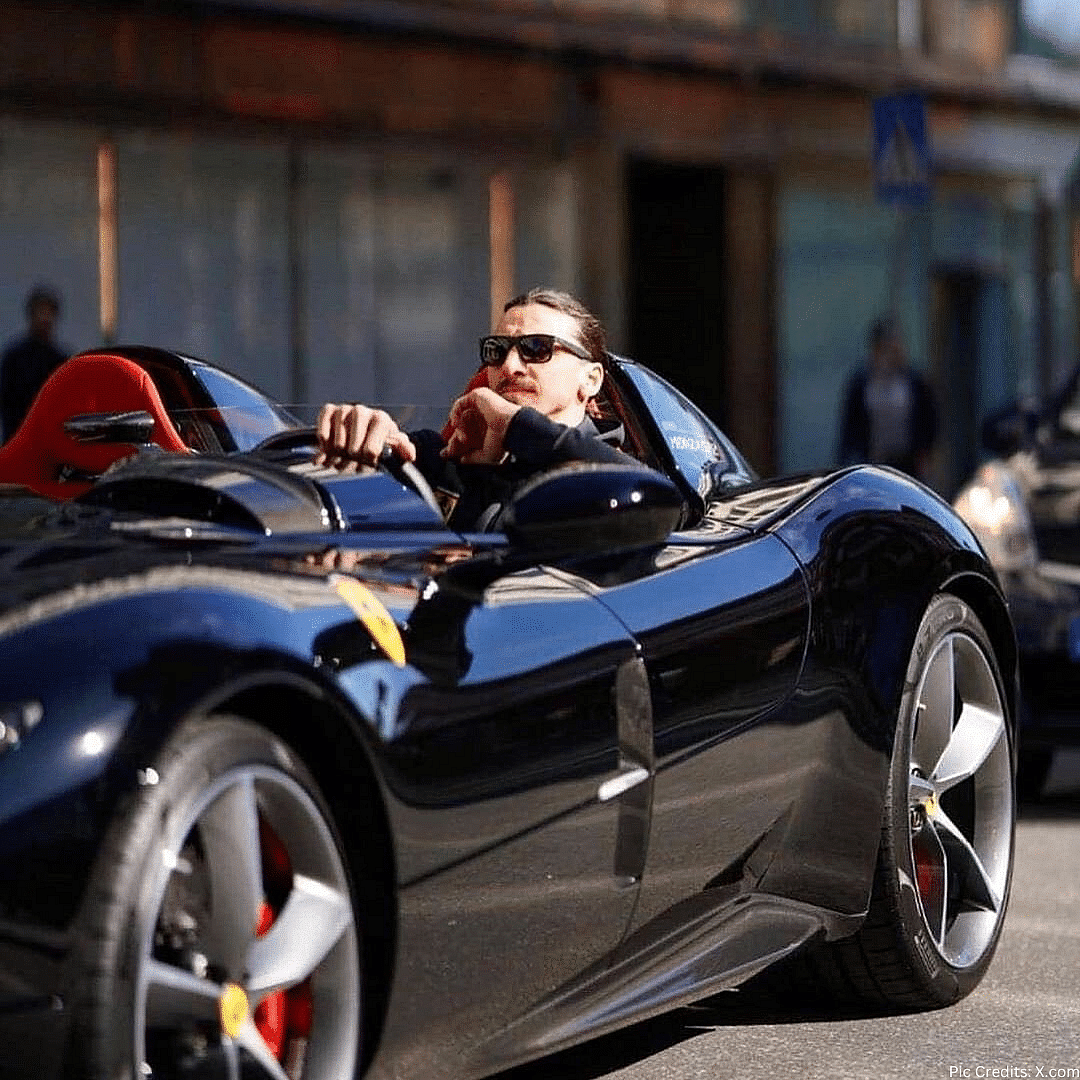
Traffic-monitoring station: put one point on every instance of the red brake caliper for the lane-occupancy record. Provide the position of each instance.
(928, 870)
(270, 1013)
(286, 1015)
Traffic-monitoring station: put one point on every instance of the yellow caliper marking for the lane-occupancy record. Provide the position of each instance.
(233, 1008)
(371, 612)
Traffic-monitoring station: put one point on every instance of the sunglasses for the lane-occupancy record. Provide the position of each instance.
(532, 348)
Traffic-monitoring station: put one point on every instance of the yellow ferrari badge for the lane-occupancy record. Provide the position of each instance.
(371, 612)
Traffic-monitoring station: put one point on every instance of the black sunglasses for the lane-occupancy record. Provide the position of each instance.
(532, 348)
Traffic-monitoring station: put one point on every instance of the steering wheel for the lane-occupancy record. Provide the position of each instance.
(405, 472)
(390, 461)
(290, 439)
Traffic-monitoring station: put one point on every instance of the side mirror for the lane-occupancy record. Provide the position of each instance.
(113, 427)
(584, 508)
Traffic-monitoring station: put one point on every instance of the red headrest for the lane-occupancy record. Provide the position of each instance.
(87, 383)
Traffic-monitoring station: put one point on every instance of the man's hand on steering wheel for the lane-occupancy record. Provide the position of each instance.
(350, 433)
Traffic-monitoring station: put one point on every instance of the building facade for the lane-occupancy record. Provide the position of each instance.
(334, 198)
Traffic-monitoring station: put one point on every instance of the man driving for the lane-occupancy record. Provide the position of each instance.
(530, 408)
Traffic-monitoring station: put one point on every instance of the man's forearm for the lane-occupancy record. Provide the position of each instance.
(533, 438)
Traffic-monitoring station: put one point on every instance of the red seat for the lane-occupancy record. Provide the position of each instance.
(88, 383)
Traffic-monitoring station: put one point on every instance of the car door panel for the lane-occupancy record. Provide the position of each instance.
(510, 789)
(722, 627)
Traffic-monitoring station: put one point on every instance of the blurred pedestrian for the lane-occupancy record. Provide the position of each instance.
(889, 415)
(27, 362)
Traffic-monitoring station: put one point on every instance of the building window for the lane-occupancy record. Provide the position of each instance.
(978, 31)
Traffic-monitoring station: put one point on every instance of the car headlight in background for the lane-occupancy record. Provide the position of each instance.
(17, 720)
(992, 504)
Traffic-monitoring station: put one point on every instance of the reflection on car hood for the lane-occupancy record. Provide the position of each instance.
(161, 511)
(59, 557)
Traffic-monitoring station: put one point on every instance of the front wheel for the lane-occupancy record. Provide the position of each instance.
(221, 936)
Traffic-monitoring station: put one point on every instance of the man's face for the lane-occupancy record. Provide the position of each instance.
(42, 318)
(888, 356)
(559, 388)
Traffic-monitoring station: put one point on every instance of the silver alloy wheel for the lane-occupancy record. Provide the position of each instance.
(253, 845)
(960, 801)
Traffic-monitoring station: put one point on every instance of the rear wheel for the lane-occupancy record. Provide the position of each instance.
(945, 863)
(947, 849)
(222, 939)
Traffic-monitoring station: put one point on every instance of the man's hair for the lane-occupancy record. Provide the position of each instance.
(882, 330)
(42, 296)
(593, 336)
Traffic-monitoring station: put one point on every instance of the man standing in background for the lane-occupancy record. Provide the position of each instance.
(29, 361)
(889, 415)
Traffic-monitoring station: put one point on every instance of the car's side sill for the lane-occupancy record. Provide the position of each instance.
(718, 950)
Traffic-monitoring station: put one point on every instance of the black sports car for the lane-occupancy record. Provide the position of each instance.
(294, 782)
(1024, 505)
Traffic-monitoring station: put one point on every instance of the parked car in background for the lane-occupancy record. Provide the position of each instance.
(1024, 505)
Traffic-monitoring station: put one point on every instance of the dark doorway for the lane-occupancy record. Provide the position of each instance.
(676, 277)
(955, 372)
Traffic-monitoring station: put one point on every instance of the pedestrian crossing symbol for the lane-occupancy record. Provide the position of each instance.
(901, 150)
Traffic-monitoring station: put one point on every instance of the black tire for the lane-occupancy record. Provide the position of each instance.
(945, 863)
(220, 935)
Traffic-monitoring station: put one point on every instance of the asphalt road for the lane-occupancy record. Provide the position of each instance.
(1023, 1020)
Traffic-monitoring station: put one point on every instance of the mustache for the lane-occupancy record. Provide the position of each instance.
(514, 382)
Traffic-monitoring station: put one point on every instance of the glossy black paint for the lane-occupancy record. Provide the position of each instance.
(608, 778)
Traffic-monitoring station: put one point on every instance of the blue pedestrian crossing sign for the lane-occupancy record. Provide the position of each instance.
(901, 150)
